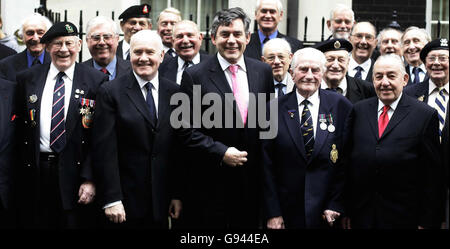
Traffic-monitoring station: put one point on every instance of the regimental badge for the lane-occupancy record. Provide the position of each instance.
(145, 9)
(444, 42)
(291, 113)
(32, 99)
(69, 28)
(87, 112)
(337, 45)
(421, 98)
(334, 154)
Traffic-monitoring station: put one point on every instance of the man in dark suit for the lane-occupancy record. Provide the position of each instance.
(33, 28)
(56, 102)
(6, 51)
(303, 164)
(7, 152)
(102, 38)
(413, 40)
(435, 90)
(225, 196)
(395, 177)
(132, 20)
(364, 41)
(187, 41)
(335, 77)
(166, 21)
(268, 14)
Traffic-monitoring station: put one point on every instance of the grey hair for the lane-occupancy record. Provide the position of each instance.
(393, 59)
(227, 16)
(309, 53)
(423, 32)
(382, 32)
(170, 10)
(370, 24)
(277, 2)
(102, 20)
(147, 35)
(341, 7)
(36, 17)
(279, 44)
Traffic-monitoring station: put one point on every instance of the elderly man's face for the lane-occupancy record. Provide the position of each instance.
(231, 40)
(32, 34)
(279, 59)
(437, 66)
(133, 25)
(165, 25)
(388, 81)
(341, 24)
(363, 41)
(268, 16)
(307, 75)
(336, 66)
(187, 41)
(64, 51)
(412, 44)
(145, 58)
(102, 43)
(391, 43)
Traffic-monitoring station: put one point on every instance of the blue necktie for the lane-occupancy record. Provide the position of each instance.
(57, 128)
(151, 103)
(279, 87)
(440, 104)
(358, 73)
(307, 129)
(416, 72)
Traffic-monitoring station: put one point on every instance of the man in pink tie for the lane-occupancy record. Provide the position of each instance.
(226, 195)
(395, 179)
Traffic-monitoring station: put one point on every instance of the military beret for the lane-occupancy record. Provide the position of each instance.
(333, 45)
(59, 29)
(142, 10)
(438, 44)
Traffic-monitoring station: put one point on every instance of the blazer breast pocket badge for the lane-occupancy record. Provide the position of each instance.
(87, 112)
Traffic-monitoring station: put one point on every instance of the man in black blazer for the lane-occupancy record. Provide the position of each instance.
(187, 41)
(6, 51)
(56, 102)
(268, 14)
(395, 177)
(413, 40)
(102, 38)
(223, 195)
(303, 164)
(33, 28)
(364, 41)
(7, 152)
(335, 77)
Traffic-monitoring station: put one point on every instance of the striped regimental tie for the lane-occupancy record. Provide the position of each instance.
(307, 129)
(58, 124)
(441, 103)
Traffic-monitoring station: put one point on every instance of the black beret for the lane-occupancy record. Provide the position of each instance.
(142, 10)
(59, 29)
(438, 44)
(333, 45)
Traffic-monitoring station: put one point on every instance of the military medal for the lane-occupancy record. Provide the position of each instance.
(421, 98)
(32, 117)
(322, 121)
(32, 99)
(331, 127)
(86, 110)
(334, 153)
(291, 113)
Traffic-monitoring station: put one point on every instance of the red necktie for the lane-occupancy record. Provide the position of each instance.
(104, 71)
(383, 120)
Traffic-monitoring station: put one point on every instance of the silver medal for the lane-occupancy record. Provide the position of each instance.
(323, 126)
(331, 128)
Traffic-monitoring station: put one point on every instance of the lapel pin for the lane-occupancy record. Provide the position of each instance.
(32, 99)
(421, 98)
(334, 153)
(77, 90)
(77, 96)
(291, 113)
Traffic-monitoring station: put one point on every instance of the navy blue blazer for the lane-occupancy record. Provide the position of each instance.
(358, 89)
(122, 66)
(297, 188)
(394, 181)
(169, 68)
(253, 49)
(11, 66)
(6, 51)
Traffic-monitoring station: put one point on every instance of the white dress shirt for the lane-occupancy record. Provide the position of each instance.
(45, 119)
(342, 85)
(392, 107)
(241, 75)
(365, 66)
(422, 73)
(314, 103)
(432, 94)
(180, 69)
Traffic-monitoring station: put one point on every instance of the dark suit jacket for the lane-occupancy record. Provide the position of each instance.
(119, 51)
(394, 181)
(296, 188)
(7, 142)
(409, 73)
(169, 68)
(253, 49)
(6, 51)
(11, 66)
(122, 66)
(74, 159)
(358, 89)
(228, 196)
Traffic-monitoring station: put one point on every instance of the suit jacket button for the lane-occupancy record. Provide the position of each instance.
(82, 141)
(78, 163)
(29, 165)
(25, 142)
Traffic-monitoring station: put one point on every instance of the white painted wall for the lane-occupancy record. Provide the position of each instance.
(14, 11)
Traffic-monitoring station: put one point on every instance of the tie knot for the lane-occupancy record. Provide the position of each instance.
(386, 108)
(104, 70)
(148, 86)
(60, 75)
(359, 68)
(416, 70)
(187, 64)
(305, 102)
(266, 39)
(233, 68)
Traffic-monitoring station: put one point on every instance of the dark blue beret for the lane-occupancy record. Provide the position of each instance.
(59, 29)
(438, 44)
(142, 10)
(333, 45)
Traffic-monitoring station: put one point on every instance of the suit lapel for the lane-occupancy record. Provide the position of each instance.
(399, 114)
(22, 62)
(163, 101)
(321, 135)
(218, 78)
(353, 91)
(135, 94)
(47, 58)
(73, 113)
(372, 116)
(292, 118)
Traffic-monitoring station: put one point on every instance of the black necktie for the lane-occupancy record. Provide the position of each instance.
(307, 129)
(36, 61)
(358, 73)
(151, 103)
(416, 72)
(266, 39)
(187, 64)
(58, 127)
(171, 52)
(279, 87)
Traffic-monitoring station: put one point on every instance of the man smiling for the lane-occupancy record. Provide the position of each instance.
(363, 39)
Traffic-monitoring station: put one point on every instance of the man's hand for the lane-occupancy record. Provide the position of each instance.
(175, 208)
(330, 216)
(233, 157)
(116, 213)
(86, 192)
(275, 223)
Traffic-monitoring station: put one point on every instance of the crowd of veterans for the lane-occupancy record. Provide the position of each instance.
(362, 125)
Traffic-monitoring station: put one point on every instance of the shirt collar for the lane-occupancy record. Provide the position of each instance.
(393, 106)
(30, 58)
(195, 60)
(342, 84)
(432, 87)
(224, 64)
(283, 82)
(365, 65)
(165, 48)
(142, 82)
(53, 72)
(313, 99)
(263, 36)
(111, 67)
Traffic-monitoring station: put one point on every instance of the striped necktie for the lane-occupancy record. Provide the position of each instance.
(307, 129)
(440, 107)
(58, 124)
(358, 74)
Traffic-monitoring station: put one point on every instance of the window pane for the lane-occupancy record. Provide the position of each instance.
(444, 31)
(157, 7)
(440, 10)
(188, 8)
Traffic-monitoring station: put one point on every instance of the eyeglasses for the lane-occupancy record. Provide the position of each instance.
(368, 37)
(441, 59)
(106, 37)
(271, 58)
(59, 44)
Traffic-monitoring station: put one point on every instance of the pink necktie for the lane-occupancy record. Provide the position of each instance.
(238, 93)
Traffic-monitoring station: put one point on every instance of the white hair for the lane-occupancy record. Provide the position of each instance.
(383, 32)
(98, 20)
(393, 59)
(148, 36)
(36, 18)
(278, 44)
(423, 32)
(277, 2)
(169, 10)
(342, 8)
(309, 53)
